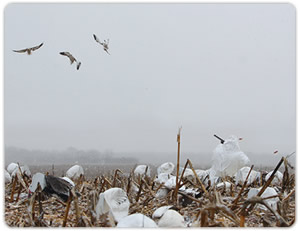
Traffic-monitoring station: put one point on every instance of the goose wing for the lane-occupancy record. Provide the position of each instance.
(68, 54)
(36, 47)
(78, 65)
(21, 51)
(97, 40)
(58, 185)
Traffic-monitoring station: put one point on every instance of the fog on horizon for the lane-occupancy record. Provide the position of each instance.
(225, 69)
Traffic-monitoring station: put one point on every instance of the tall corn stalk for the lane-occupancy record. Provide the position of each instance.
(178, 161)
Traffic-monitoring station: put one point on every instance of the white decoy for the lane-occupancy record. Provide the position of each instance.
(188, 173)
(167, 167)
(75, 172)
(7, 177)
(29, 50)
(162, 178)
(171, 183)
(136, 220)
(51, 185)
(243, 173)
(223, 186)
(11, 167)
(172, 219)
(277, 178)
(203, 175)
(228, 159)
(141, 169)
(24, 170)
(159, 212)
(114, 201)
(269, 192)
(162, 193)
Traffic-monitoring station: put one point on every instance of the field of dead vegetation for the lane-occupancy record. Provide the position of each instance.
(200, 203)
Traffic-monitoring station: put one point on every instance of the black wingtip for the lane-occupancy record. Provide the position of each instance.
(78, 65)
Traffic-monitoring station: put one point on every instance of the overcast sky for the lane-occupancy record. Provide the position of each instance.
(211, 68)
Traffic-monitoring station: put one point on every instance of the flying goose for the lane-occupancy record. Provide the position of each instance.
(71, 57)
(104, 43)
(29, 50)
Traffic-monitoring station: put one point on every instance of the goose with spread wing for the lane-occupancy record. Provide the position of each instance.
(29, 50)
(104, 43)
(51, 185)
(72, 59)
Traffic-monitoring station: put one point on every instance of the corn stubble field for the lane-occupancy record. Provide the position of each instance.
(212, 207)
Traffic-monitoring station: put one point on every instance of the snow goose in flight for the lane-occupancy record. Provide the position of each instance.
(29, 50)
(71, 57)
(104, 43)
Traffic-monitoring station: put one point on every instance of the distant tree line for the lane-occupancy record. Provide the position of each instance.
(67, 156)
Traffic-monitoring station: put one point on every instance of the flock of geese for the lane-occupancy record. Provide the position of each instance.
(65, 53)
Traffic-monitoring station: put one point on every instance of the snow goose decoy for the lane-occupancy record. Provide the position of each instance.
(142, 170)
(7, 177)
(227, 158)
(104, 43)
(269, 192)
(75, 172)
(24, 170)
(11, 167)
(114, 201)
(171, 218)
(136, 220)
(167, 167)
(51, 185)
(29, 50)
(72, 59)
(241, 176)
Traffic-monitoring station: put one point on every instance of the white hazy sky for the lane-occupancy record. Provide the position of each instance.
(211, 68)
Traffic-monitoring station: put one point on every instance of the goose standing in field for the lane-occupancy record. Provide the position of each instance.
(227, 159)
(104, 43)
(29, 50)
(51, 185)
(72, 59)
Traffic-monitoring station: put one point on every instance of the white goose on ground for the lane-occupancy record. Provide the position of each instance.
(115, 202)
(7, 177)
(136, 220)
(172, 218)
(75, 172)
(167, 167)
(11, 167)
(141, 170)
(227, 159)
